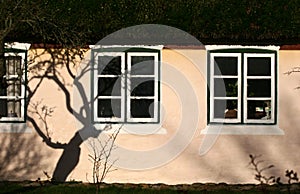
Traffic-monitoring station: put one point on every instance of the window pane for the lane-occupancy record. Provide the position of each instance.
(228, 84)
(142, 65)
(259, 66)
(13, 87)
(13, 65)
(13, 108)
(259, 88)
(109, 86)
(10, 108)
(225, 66)
(225, 109)
(142, 108)
(109, 108)
(142, 86)
(259, 109)
(109, 65)
(3, 87)
(3, 107)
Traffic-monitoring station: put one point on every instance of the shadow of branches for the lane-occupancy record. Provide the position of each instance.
(47, 64)
(58, 65)
(20, 157)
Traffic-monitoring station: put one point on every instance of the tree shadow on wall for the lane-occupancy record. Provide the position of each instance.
(20, 158)
(43, 69)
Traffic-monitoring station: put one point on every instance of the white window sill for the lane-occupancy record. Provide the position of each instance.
(134, 129)
(14, 128)
(243, 130)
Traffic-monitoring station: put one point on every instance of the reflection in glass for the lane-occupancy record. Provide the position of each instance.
(230, 84)
(259, 109)
(259, 88)
(225, 66)
(225, 109)
(109, 65)
(142, 65)
(10, 87)
(109, 108)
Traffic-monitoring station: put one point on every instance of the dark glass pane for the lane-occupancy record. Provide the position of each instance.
(3, 108)
(3, 87)
(142, 108)
(142, 65)
(225, 66)
(259, 66)
(259, 109)
(109, 65)
(109, 108)
(10, 108)
(109, 86)
(259, 88)
(228, 84)
(142, 86)
(225, 109)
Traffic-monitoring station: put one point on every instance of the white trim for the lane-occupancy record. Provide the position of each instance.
(96, 76)
(156, 87)
(246, 77)
(272, 78)
(18, 45)
(212, 97)
(126, 87)
(97, 46)
(217, 47)
(226, 76)
(242, 130)
(22, 94)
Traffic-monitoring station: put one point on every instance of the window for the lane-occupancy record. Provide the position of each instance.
(12, 88)
(126, 86)
(242, 87)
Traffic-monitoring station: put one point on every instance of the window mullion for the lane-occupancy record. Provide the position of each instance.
(106, 74)
(245, 89)
(239, 113)
(212, 69)
(273, 94)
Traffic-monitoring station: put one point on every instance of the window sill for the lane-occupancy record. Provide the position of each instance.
(134, 129)
(14, 128)
(242, 130)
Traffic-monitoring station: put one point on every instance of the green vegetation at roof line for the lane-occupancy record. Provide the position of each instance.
(212, 22)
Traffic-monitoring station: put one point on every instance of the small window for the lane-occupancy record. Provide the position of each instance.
(126, 86)
(12, 88)
(242, 87)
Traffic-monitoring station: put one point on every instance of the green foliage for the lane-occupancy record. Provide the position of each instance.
(276, 21)
(66, 188)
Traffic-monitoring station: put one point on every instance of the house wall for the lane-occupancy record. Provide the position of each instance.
(26, 156)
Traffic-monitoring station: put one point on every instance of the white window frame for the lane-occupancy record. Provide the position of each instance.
(212, 97)
(125, 95)
(156, 87)
(245, 99)
(272, 77)
(97, 75)
(23, 93)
